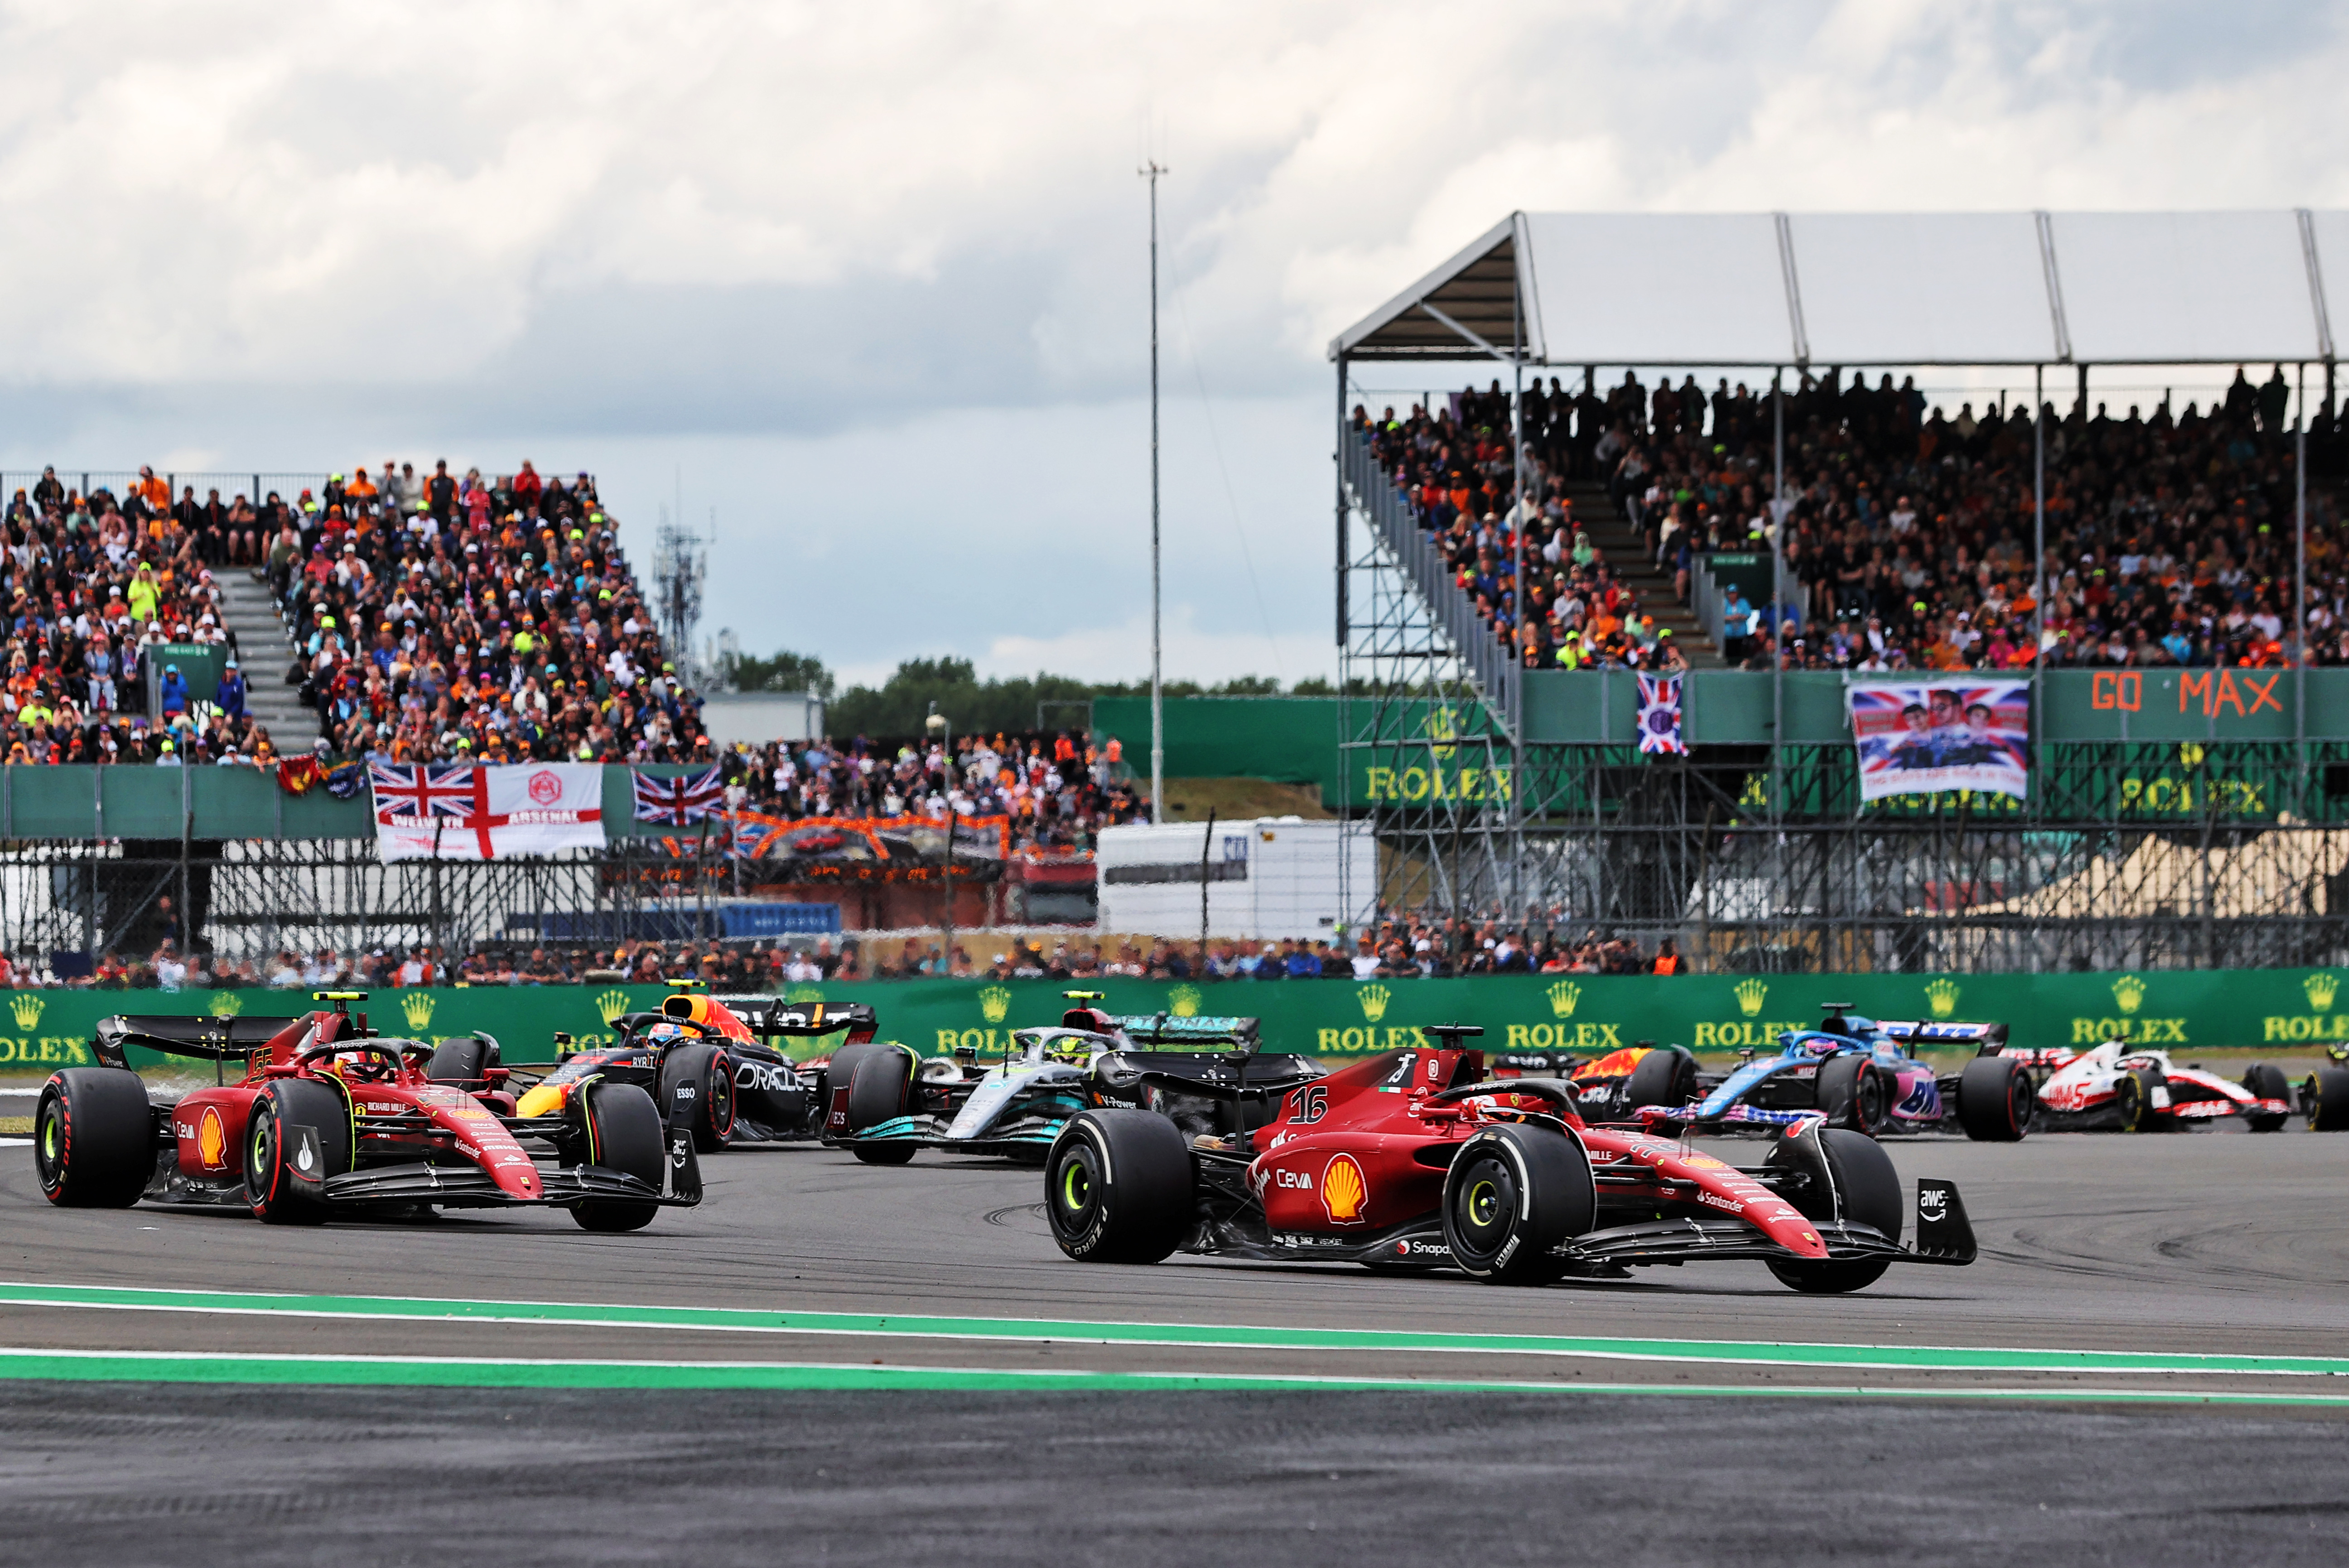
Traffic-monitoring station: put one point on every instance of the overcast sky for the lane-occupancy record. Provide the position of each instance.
(870, 281)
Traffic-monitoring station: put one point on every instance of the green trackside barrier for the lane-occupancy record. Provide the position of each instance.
(2288, 1011)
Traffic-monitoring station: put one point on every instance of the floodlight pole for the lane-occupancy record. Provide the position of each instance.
(2038, 544)
(2300, 580)
(1151, 171)
(1777, 589)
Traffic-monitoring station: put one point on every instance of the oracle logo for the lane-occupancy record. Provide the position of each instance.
(544, 788)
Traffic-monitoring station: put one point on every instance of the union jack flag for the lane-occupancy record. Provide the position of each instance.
(1659, 715)
(679, 801)
(422, 789)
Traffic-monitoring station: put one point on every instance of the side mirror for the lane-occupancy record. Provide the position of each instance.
(966, 1054)
(1746, 1053)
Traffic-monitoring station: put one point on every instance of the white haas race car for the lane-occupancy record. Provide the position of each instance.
(2125, 1086)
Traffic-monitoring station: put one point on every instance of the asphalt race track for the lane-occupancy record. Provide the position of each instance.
(2150, 1362)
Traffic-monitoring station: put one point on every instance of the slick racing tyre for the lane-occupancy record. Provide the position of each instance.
(1862, 1177)
(709, 1071)
(464, 1063)
(93, 1138)
(2266, 1080)
(1995, 1099)
(1665, 1078)
(1514, 1193)
(2133, 1101)
(1118, 1186)
(271, 1155)
(878, 1092)
(1854, 1094)
(623, 1132)
(2325, 1097)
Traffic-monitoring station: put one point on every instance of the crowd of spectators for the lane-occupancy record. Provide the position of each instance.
(1058, 789)
(455, 619)
(1908, 531)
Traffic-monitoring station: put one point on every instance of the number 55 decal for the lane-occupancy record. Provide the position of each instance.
(1312, 1104)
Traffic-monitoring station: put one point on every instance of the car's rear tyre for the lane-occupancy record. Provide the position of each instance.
(710, 1070)
(1869, 1192)
(623, 1129)
(1995, 1098)
(2266, 1080)
(1119, 1188)
(879, 1090)
(271, 1157)
(2325, 1099)
(1665, 1078)
(464, 1063)
(2133, 1101)
(1853, 1094)
(1513, 1194)
(94, 1139)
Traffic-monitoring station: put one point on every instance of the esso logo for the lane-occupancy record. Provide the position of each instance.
(546, 789)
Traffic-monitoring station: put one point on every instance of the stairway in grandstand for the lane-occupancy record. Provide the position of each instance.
(1626, 554)
(262, 653)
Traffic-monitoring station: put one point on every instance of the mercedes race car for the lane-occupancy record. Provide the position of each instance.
(328, 1118)
(747, 1089)
(2125, 1087)
(1415, 1159)
(1864, 1075)
(887, 1102)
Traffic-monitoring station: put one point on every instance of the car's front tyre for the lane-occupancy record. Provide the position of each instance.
(1119, 1188)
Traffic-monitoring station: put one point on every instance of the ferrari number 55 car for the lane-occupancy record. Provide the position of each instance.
(328, 1118)
(1415, 1159)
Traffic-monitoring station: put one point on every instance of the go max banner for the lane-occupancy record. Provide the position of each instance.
(1924, 737)
(2291, 1013)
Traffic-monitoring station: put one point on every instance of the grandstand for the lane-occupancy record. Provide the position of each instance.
(1504, 552)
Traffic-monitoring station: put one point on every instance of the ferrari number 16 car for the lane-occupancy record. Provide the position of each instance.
(1415, 1159)
(329, 1118)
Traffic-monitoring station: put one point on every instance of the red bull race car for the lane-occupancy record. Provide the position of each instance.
(328, 1118)
(747, 1087)
(1418, 1159)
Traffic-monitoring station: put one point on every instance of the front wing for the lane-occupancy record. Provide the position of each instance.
(1026, 1135)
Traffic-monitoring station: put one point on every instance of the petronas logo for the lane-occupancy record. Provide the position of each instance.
(995, 1002)
(1941, 997)
(1182, 1001)
(1374, 999)
(1751, 994)
(416, 1008)
(1562, 998)
(611, 1004)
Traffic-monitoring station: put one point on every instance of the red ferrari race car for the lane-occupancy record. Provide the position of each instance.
(1416, 1160)
(328, 1118)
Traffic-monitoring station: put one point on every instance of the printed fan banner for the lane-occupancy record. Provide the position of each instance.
(1925, 737)
(481, 812)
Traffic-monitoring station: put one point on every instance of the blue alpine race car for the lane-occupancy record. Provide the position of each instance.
(1861, 1074)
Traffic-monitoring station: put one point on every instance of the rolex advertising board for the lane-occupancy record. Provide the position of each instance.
(2181, 1009)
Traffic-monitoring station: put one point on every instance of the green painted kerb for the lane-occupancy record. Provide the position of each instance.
(1251, 1336)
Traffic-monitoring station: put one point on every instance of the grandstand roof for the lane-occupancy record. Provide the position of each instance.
(1876, 288)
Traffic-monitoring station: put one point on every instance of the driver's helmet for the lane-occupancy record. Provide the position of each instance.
(665, 1033)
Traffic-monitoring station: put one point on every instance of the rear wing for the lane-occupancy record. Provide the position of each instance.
(1163, 1031)
(179, 1034)
(771, 1017)
(1946, 1033)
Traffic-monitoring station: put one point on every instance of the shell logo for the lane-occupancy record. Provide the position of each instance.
(212, 1139)
(1344, 1190)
